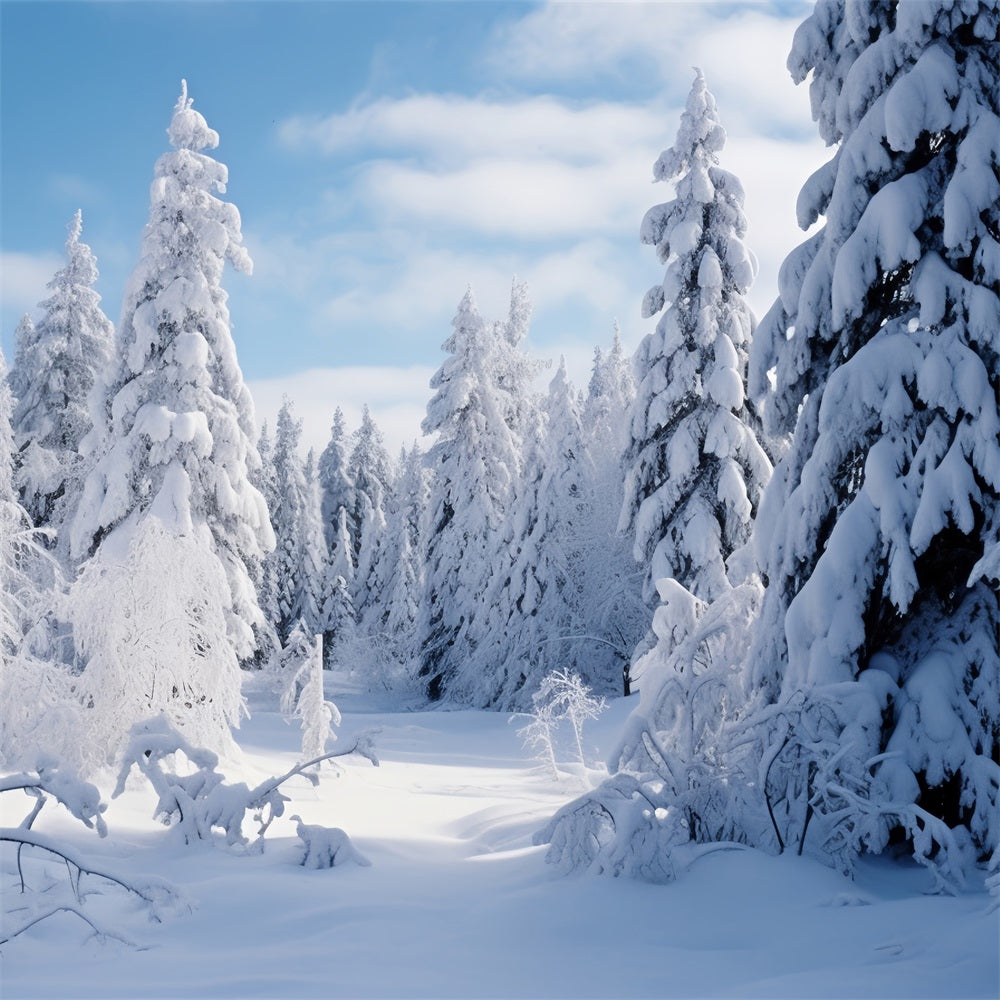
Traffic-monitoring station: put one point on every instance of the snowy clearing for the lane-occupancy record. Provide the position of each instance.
(457, 903)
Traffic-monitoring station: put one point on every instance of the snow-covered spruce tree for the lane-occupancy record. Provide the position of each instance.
(473, 463)
(266, 642)
(286, 562)
(18, 377)
(516, 371)
(403, 591)
(695, 483)
(338, 605)
(695, 470)
(608, 403)
(533, 623)
(58, 361)
(335, 483)
(39, 714)
(878, 638)
(370, 470)
(611, 600)
(172, 447)
(315, 558)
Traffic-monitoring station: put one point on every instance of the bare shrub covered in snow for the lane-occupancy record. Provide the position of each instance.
(562, 701)
(195, 803)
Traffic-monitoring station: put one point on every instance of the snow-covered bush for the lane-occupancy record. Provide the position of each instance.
(326, 846)
(685, 769)
(195, 803)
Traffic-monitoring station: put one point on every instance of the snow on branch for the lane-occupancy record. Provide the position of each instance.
(195, 804)
(26, 908)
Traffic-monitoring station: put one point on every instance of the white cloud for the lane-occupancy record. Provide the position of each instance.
(447, 130)
(396, 396)
(566, 41)
(742, 54)
(430, 192)
(23, 277)
(513, 198)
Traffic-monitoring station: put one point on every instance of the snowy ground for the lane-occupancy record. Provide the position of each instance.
(457, 903)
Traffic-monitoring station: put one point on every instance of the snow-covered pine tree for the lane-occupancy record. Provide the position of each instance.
(532, 608)
(58, 362)
(39, 715)
(338, 605)
(301, 673)
(286, 562)
(880, 629)
(403, 553)
(697, 475)
(473, 463)
(172, 448)
(608, 403)
(267, 644)
(370, 470)
(695, 470)
(18, 376)
(611, 586)
(516, 371)
(315, 558)
(335, 483)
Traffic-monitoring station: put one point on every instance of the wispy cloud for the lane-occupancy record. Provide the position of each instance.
(448, 129)
(23, 277)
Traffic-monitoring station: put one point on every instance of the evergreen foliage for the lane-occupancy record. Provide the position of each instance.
(880, 629)
(168, 512)
(58, 362)
(695, 470)
(473, 463)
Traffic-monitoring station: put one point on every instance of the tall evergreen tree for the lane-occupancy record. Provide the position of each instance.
(58, 361)
(338, 605)
(880, 630)
(403, 555)
(370, 470)
(315, 558)
(287, 563)
(473, 463)
(173, 449)
(533, 623)
(335, 484)
(695, 467)
(39, 714)
(611, 596)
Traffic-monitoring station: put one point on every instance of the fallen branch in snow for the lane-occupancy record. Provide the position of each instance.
(83, 801)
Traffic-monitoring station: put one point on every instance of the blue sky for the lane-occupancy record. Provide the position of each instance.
(383, 156)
